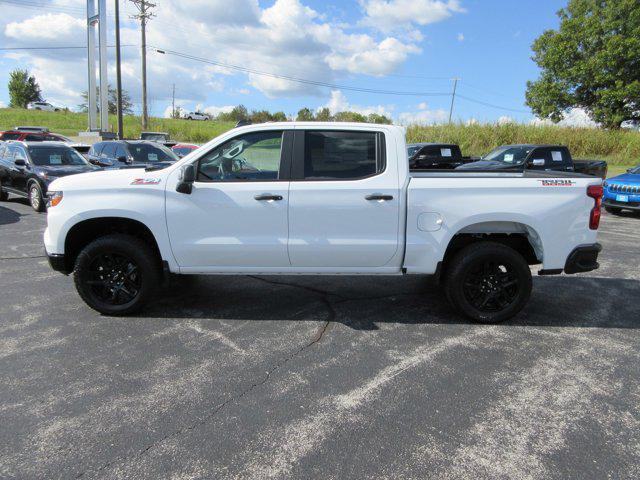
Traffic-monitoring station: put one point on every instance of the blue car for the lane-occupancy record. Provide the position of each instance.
(623, 192)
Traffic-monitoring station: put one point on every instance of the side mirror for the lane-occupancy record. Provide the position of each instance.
(122, 159)
(187, 177)
(629, 170)
(20, 162)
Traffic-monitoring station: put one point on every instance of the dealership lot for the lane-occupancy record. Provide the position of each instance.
(317, 377)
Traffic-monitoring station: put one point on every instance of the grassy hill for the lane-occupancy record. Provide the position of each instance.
(621, 148)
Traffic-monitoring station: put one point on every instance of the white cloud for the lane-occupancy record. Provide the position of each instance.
(423, 116)
(574, 117)
(214, 110)
(460, 37)
(392, 15)
(2, 104)
(287, 38)
(505, 120)
(339, 103)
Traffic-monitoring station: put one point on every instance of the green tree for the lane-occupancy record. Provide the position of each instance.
(127, 104)
(23, 89)
(238, 113)
(305, 115)
(378, 118)
(349, 117)
(324, 115)
(279, 117)
(592, 61)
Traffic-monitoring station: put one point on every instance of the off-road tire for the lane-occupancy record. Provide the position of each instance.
(91, 288)
(492, 273)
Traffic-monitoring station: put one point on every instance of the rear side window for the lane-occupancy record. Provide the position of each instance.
(109, 150)
(11, 136)
(96, 148)
(341, 155)
(33, 138)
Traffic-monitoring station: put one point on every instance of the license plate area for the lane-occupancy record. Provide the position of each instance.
(622, 198)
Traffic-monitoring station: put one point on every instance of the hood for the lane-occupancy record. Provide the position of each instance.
(489, 165)
(64, 170)
(107, 179)
(626, 178)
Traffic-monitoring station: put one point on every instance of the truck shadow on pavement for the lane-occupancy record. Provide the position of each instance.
(363, 303)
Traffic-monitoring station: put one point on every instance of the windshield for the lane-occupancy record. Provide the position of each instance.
(508, 155)
(183, 151)
(155, 137)
(46, 156)
(145, 153)
(412, 150)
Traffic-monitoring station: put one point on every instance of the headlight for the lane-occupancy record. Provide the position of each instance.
(43, 175)
(53, 199)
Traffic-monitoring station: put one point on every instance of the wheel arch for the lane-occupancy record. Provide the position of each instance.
(86, 231)
(522, 237)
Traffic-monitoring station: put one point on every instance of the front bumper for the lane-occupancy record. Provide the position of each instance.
(608, 202)
(583, 259)
(57, 262)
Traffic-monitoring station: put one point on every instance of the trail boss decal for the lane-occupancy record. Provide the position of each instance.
(557, 183)
(146, 181)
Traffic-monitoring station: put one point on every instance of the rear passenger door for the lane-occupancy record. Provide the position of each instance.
(344, 200)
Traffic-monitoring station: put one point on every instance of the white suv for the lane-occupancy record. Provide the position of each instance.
(42, 106)
(196, 116)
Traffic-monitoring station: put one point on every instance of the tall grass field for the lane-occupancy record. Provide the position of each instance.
(620, 148)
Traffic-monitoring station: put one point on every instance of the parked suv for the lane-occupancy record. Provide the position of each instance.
(130, 154)
(27, 168)
(42, 106)
(196, 116)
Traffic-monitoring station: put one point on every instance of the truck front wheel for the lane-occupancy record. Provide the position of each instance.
(116, 274)
(488, 282)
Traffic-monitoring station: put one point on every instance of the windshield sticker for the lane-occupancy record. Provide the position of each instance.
(146, 181)
(557, 156)
(55, 159)
(153, 157)
(508, 157)
(445, 152)
(557, 183)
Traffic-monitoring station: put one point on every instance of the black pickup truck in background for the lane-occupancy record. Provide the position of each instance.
(510, 158)
(435, 156)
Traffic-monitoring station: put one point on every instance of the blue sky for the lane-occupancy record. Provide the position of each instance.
(372, 44)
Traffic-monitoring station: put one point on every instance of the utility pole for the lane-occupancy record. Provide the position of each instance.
(453, 97)
(144, 15)
(118, 73)
(173, 102)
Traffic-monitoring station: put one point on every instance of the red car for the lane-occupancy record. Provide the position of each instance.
(183, 149)
(33, 136)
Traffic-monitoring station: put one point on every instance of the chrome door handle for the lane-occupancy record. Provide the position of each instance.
(268, 197)
(377, 196)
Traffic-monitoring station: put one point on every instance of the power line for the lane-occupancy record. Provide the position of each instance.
(491, 105)
(295, 79)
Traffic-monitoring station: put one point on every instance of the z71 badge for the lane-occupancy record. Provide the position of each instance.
(557, 183)
(146, 181)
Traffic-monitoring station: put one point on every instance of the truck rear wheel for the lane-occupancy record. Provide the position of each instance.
(488, 282)
(116, 274)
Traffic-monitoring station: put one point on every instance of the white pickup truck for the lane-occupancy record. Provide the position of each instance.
(320, 198)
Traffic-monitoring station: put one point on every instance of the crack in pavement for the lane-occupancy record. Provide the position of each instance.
(23, 258)
(314, 340)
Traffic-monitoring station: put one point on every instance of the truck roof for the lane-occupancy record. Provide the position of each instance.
(535, 145)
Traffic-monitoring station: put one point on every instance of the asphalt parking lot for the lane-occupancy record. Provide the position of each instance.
(307, 377)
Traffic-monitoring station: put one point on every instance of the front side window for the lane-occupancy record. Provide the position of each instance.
(18, 153)
(109, 150)
(145, 153)
(52, 156)
(251, 157)
(341, 155)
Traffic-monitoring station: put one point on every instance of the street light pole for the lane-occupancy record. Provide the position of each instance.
(118, 74)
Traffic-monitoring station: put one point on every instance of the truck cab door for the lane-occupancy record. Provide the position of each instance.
(235, 218)
(344, 201)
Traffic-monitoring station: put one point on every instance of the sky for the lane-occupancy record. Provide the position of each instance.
(393, 57)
